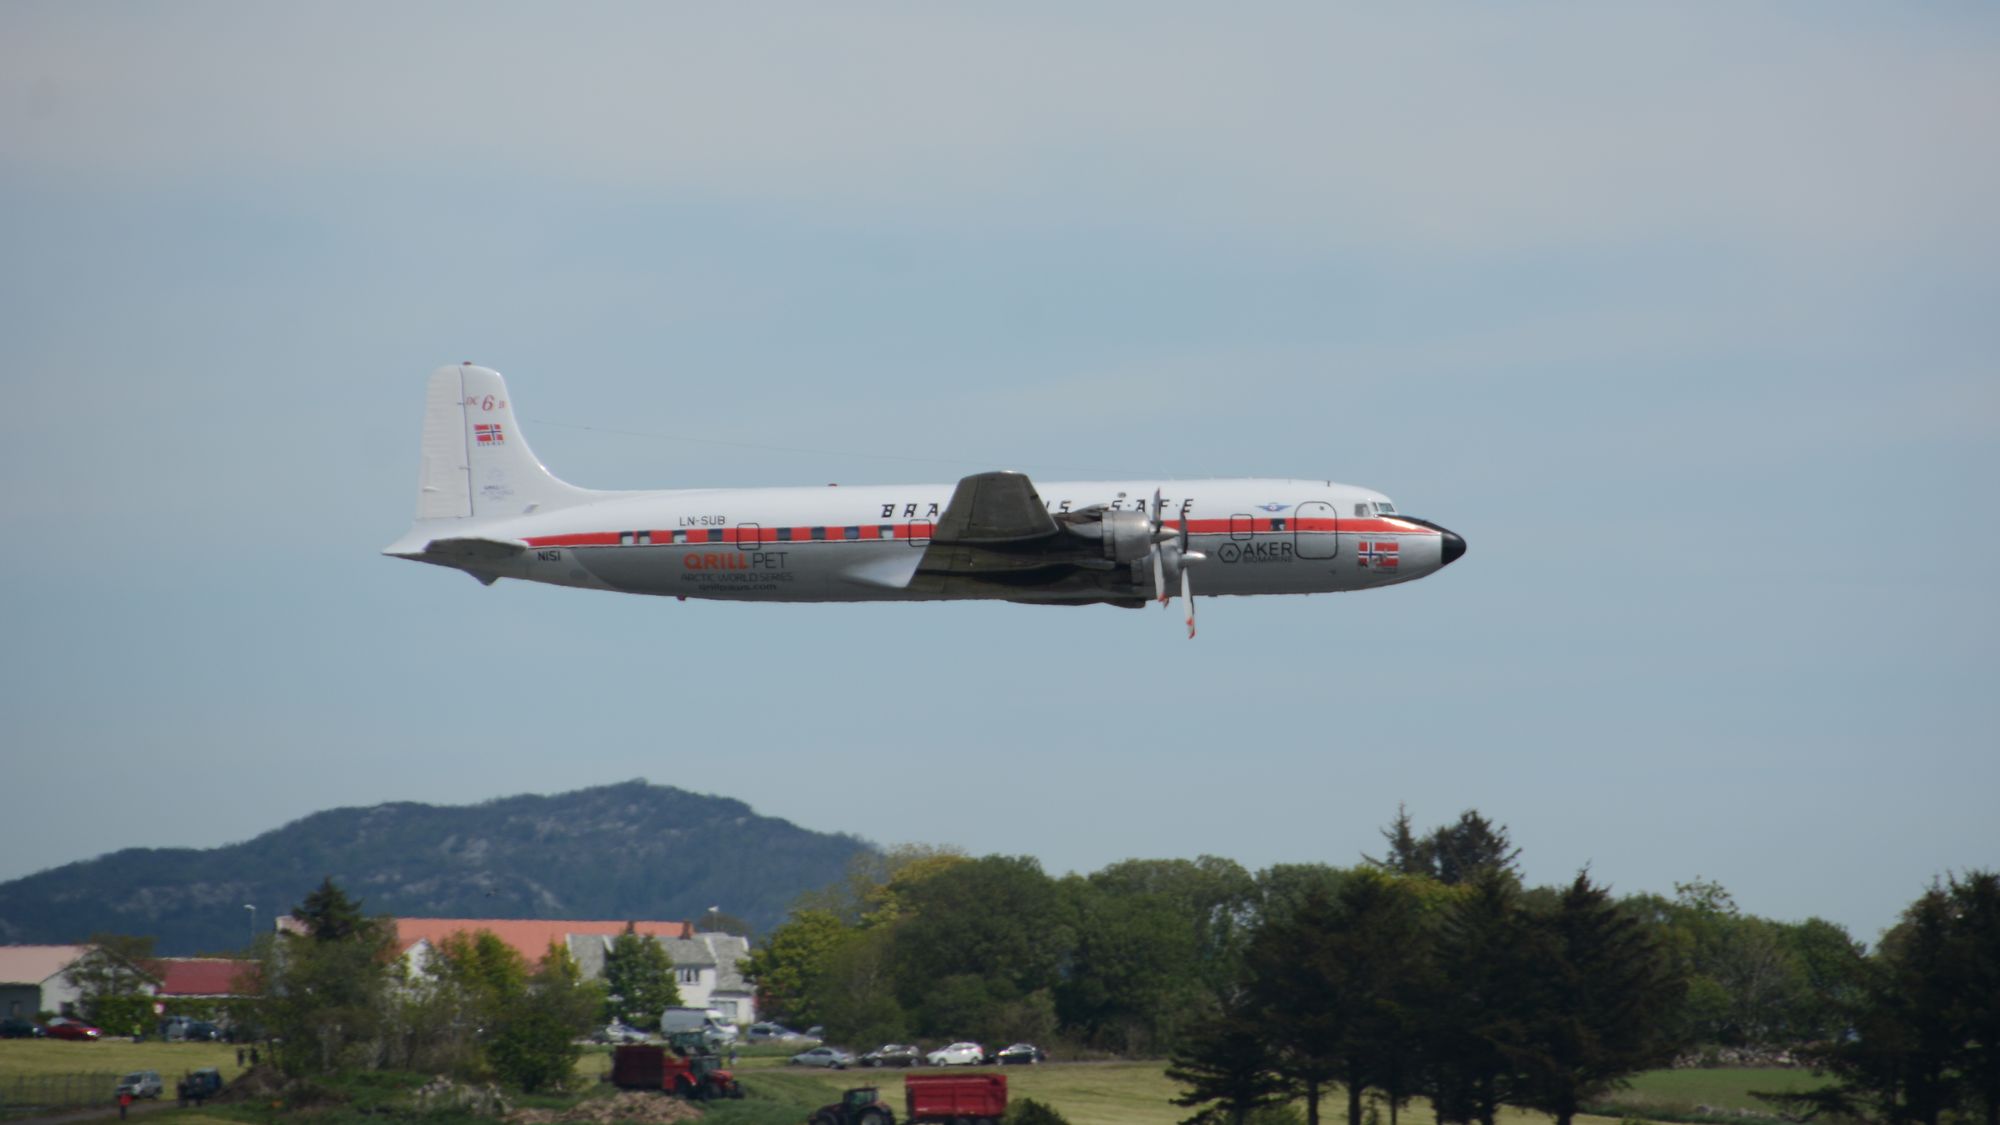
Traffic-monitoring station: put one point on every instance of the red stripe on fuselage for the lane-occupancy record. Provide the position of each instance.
(836, 533)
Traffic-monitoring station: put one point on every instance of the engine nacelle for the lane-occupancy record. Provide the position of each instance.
(1125, 537)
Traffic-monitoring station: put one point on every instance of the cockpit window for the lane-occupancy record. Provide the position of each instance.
(1384, 508)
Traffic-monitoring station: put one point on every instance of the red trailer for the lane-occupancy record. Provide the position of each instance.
(980, 1098)
(638, 1066)
(928, 1099)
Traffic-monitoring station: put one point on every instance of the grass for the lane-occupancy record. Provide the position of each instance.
(1091, 1093)
(59, 1056)
(1094, 1093)
(1678, 1095)
(59, 1070)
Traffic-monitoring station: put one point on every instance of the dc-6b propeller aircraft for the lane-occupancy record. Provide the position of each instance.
(486, 506)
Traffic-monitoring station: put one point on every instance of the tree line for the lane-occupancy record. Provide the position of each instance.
(1430, 972)
(341, 997)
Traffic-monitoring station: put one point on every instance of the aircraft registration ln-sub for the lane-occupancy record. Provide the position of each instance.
(486, 506)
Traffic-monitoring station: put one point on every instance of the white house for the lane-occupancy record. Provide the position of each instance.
(32, 980)
(706, 966)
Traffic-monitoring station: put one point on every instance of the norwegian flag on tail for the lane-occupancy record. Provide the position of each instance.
(488, 433)
(1381, 554)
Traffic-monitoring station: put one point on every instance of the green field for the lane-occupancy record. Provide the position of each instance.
(1089, 1093)
(114, 1056)
(1096, 1093)
(1681, 1094)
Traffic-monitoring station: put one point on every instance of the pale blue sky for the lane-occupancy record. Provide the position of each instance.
(1683, 317)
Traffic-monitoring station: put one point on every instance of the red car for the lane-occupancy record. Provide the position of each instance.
(64, 1028)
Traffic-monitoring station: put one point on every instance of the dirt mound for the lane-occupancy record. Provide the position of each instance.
(441, 1094)
(640, 1106)
(261, 1083)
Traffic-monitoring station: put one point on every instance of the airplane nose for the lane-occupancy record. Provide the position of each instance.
(1454, 546)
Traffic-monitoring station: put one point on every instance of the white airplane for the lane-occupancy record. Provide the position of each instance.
(486, 506)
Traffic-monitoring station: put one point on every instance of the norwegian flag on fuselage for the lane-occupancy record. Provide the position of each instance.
(488, 433)
(1379, 553)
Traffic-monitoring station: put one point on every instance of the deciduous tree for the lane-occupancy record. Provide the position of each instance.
(639, 980)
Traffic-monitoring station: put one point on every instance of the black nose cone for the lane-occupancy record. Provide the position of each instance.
(1454, 546)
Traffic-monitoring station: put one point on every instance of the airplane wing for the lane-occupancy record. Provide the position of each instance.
(992, 526)
(996, 537)
(998, 507)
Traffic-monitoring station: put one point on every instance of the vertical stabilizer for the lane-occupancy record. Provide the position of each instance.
(475, 461)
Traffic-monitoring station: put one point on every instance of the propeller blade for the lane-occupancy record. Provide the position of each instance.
(1187, 597)
(1159, 577)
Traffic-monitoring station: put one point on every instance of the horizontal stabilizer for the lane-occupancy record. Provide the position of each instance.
(466, 551)
(475, 549)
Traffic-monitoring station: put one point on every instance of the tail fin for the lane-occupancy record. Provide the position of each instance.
(475, 461)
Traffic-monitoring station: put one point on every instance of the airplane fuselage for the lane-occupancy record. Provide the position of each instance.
(1261, 536)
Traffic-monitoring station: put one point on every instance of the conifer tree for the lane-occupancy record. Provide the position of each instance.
(1481, 1001)
(1598, 1013)
(1225, 1069)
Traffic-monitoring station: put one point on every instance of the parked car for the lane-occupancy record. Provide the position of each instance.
(773, 1033)
(893, 1054)
(62, 1027)
(200, 1084)
(141, 1084)
(186, 1029)
(15, 1028)
(617, 1032)
(958, 1054)
(832, 1057)
(1019, 1054)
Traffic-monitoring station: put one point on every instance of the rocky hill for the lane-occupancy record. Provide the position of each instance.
(618, 851)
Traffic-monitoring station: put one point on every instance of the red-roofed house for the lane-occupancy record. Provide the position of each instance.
(207, 978)
(706, 964)
(529, 937)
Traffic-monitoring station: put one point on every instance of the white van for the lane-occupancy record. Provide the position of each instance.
(708, 1021)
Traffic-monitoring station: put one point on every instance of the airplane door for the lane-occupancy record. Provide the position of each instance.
(1316, 530)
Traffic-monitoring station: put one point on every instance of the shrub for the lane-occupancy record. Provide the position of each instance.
(1028, 1111)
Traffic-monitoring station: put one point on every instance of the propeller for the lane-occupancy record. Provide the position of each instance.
(1175, 540)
